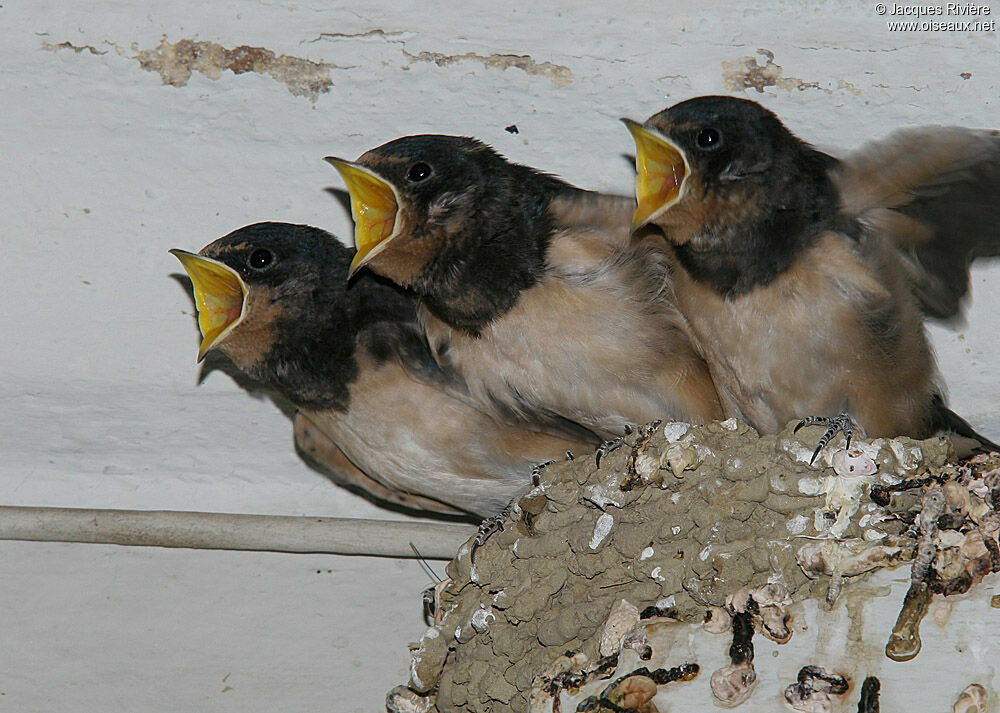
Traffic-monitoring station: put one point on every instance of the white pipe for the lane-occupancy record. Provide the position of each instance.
(224, 531)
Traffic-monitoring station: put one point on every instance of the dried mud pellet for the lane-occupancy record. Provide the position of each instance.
(869, 696)
(904, 641)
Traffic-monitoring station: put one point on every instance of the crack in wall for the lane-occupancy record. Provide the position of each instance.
(749, 73)
(843, 48)
(70, 46)
(558, 74)
(176, 62)
(377, 32)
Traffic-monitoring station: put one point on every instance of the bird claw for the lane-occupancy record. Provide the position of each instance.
(489, 526)
(608, 447)
(536, 471)
(842, 423)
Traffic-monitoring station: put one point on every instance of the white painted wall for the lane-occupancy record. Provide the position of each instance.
(104, 168)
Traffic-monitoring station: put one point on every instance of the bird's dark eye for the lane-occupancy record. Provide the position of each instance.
(260, 259)
(708, 139)
(418, 172)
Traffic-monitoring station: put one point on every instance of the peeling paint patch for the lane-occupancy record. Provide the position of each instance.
(70, 46)
(847, 86)
(558, 74)
(176, 62)
(748, 73)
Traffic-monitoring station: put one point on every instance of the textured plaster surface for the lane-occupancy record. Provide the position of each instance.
(110, 155)
(680, 519)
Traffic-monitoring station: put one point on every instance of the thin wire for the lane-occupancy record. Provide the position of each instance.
(423, 564)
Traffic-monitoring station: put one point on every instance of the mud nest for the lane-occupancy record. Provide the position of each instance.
(712, 524)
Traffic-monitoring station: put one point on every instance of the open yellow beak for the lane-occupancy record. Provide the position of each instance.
(221, 296)
(375, 207)
(661, 169)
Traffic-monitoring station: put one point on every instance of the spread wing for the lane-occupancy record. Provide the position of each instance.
(935, 193)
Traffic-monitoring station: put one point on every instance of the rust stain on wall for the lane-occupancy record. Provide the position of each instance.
(558, 74)
(749, 73)
(177, 61)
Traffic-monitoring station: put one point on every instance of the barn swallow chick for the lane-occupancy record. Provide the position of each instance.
(530, 288)
(803, 277)
(373, 405)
